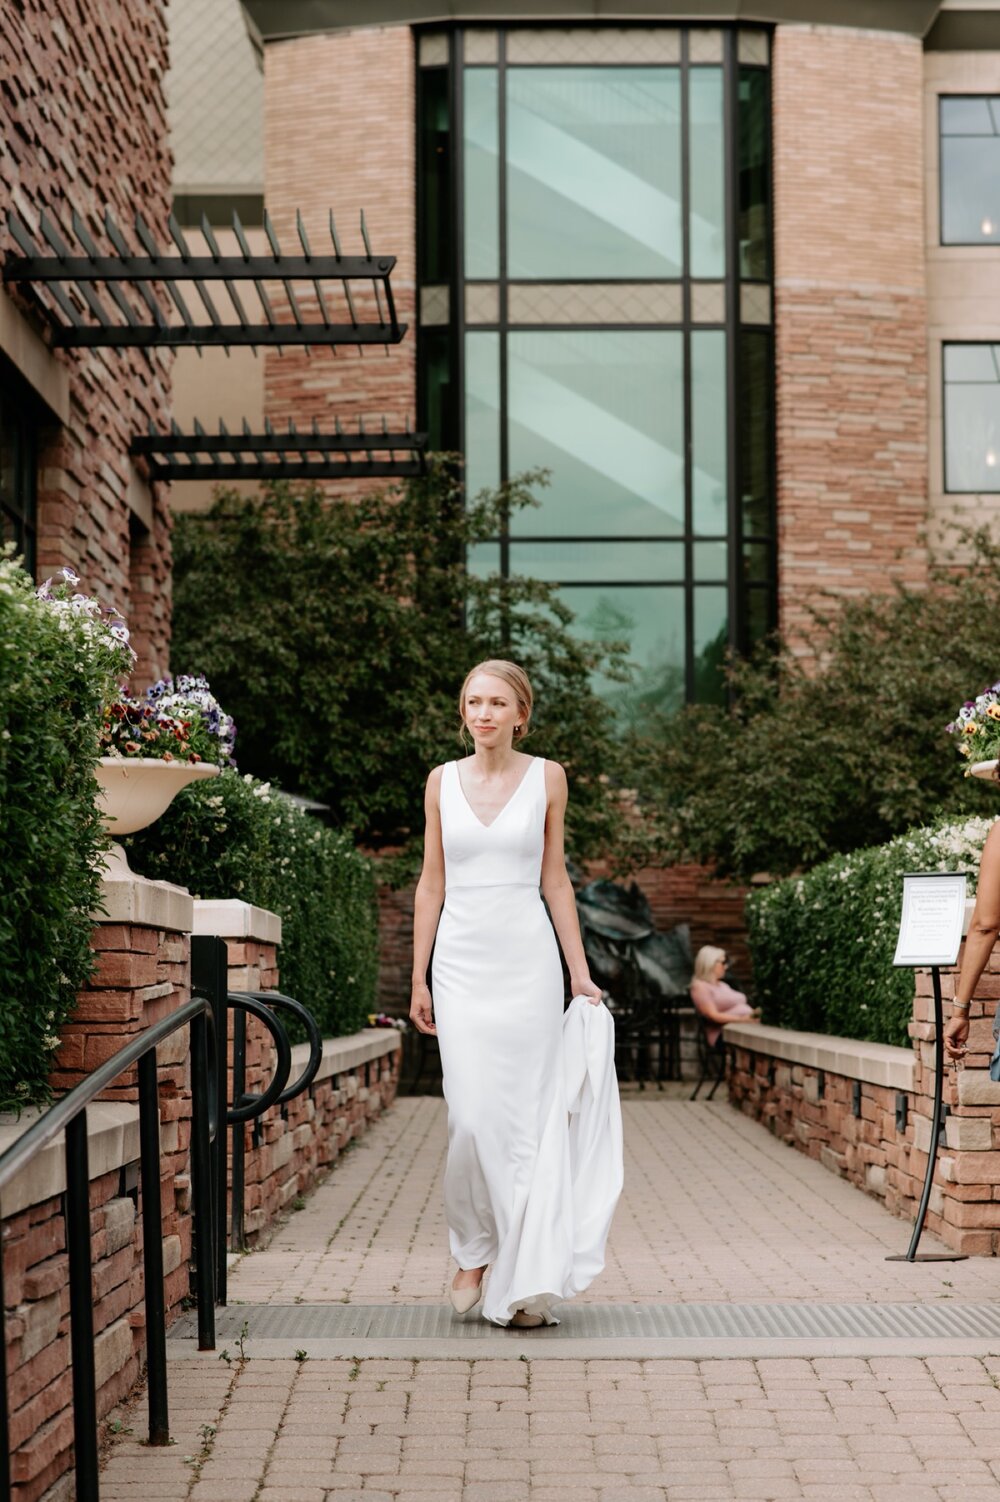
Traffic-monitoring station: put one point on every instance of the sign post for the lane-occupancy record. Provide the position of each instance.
(930, 935)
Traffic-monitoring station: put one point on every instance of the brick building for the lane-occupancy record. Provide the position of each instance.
(83, 124)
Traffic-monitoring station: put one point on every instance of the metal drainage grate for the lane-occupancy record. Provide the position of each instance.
(613, 1322)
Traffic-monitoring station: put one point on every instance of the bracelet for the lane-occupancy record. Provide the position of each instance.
(961, 1006)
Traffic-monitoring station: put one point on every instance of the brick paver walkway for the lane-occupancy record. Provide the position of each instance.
(714, 1210)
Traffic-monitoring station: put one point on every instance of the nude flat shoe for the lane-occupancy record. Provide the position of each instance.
(464, 1299)
(522, 1320)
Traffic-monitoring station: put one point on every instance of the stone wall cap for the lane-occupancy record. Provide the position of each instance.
(342, 1054)
(229, 918)
(152, 904)
(112, 1140)
(875, 1063)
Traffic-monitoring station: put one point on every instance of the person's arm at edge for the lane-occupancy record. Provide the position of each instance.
(427, 903)
(979, 941)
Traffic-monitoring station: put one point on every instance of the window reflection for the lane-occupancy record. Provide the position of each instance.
(754, 174)
(711, 643)
(603, 411)
(707, 175)
(482, 412)
(435, 168)
(593, 172)
(650, 622)
(567, 561)
(972, 417)
(481, 170)
(970, 170)
(708, 432)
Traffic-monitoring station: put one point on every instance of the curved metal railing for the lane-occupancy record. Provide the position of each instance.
(69, 1116)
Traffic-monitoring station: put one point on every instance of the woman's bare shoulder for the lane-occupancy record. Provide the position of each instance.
(555, 776)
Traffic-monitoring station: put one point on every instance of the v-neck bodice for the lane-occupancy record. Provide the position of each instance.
(507, 852)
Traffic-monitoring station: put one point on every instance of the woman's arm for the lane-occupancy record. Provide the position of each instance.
(557, 889)
(427, 903)
(979, 942)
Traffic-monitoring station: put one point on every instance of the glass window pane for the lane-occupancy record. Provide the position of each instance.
(972, 419)
(436, 380)
(710, 562)
(760, 615)
(708, 432)
(603, 411)
(651, 622)
(970, 170)
(481, 168)
(966, 116)
(754, 174)
(593, 172)
(711, 640)
(971, 362)
(483, 559)
(482, 412)
(435, 171)
(707, 177)
(755, 435)
(757, 562)
(569, 562)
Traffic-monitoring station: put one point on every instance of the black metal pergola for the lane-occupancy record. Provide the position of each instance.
(92, 298)
(274, 455)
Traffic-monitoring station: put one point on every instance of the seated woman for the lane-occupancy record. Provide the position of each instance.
(716, 1002)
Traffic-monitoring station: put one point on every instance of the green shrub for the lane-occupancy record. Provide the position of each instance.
(839, 752)
(822, 944)
(337, 633)
(235, 837)
(58, 666)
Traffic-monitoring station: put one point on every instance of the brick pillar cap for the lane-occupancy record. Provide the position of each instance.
(228, 918)
(152, 904)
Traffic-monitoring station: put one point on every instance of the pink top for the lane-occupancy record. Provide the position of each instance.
(721, 998)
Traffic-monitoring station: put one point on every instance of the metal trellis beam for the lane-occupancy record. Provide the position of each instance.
(119, 299)
(274, 455)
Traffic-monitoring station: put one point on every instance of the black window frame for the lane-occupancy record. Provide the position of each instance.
(22, 418)
(743, 592)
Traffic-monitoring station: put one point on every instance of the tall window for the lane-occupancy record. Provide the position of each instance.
(970, 169)
(18, 463)
(595, 300)
(972, 418)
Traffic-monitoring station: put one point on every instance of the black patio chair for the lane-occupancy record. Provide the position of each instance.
(711, 1057)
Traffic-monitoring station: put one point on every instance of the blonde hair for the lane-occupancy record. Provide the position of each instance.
(706, 960)
(515, 678)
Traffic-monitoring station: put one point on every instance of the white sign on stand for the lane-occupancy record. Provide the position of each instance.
(930, 928)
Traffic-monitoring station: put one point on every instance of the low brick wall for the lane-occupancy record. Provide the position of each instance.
(143, 948)
(802, 1087)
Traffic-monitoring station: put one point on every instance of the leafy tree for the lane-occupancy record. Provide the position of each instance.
(337, 632)
(805, 763)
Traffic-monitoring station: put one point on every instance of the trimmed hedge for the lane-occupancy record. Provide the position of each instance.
(57, 669)
(822, 944)
(235, 837)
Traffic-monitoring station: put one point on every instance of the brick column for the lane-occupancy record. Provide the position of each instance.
(965, 1201)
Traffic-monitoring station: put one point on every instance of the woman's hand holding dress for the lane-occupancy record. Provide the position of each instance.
(422, 1009)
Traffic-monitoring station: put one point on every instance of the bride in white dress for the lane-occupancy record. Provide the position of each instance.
(534, 1126)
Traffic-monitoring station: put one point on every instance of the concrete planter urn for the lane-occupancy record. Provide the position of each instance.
(986, 769)
(135, 791)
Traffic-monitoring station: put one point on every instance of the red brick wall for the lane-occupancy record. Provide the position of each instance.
(850, 313)
(346, 147)
(83, 122)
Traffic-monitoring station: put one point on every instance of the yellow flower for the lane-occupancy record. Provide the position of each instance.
(970, 728)
(993, 710)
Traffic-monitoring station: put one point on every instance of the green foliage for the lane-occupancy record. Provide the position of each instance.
(807, 763)
(235, 837)
(334, 632)
(822, 944)
(57, 668)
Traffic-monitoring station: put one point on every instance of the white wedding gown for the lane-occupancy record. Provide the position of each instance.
(534, 1123)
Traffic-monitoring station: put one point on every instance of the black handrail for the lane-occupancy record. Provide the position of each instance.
(69, 1115)
(248, 1107)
